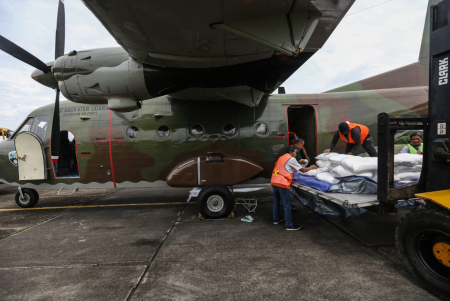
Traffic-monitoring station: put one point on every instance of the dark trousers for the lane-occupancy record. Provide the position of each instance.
(284, 195)
(368, 146)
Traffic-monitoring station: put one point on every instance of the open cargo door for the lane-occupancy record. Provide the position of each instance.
(302, 120)
(31, 157)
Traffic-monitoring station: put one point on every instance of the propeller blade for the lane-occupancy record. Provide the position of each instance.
(60, 31)
(59, 51)
(23, 55)
(55, 130)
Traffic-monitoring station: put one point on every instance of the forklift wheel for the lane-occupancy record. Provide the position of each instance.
(215, 201)
(31, 198)
(423, 243)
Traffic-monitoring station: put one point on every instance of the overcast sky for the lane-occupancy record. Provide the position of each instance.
(366, 43)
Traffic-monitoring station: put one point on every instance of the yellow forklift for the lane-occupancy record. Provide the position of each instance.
(423, 235)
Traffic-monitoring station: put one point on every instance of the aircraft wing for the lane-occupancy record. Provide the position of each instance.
(217, 33)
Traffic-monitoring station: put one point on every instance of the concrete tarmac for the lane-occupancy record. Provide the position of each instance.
(152, 249)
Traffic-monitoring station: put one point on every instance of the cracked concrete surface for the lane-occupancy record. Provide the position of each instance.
(164, 253)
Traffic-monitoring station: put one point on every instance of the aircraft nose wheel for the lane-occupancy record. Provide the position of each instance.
(27, 198)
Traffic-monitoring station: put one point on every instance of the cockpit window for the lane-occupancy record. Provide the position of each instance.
(26, 127)
(39, 127)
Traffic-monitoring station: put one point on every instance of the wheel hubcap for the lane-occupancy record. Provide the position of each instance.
(215, 203)
(441, 251)
(433, 251)
(25, 199)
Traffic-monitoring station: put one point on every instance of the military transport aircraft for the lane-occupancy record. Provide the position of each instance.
(189, 104)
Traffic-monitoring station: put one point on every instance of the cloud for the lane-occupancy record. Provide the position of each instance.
(364, 44)
(31, 25)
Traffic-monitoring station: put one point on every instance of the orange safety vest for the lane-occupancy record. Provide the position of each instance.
(364, 133)
(280, 176)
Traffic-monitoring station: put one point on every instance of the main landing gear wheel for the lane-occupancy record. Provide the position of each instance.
(423, 242)
(215, 201)
(30, 198)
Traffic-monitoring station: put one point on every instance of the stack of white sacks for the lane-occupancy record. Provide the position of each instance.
(332, 166)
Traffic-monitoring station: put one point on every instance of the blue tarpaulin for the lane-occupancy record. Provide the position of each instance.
(311, 182)
(351, 184)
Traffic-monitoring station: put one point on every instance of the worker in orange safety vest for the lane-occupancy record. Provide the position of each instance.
(355, 135)
(281, 180)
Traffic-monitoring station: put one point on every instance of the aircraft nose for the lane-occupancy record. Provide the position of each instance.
(46, 79)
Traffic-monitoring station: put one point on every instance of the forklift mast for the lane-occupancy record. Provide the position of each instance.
(437, 137)
(436, 158)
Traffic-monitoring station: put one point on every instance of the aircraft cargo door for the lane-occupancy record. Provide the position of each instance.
(302, 121)
(31, 157)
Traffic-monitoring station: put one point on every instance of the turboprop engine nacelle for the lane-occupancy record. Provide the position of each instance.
(102, 76)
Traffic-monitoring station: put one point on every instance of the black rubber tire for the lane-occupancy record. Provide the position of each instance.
(415, 236)
(31, 199)
(215, 190)
(36, 194)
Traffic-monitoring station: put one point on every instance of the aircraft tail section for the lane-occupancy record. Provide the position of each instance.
(424, 55)
(412, 75)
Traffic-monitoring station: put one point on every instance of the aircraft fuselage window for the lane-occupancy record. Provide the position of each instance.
(26, 127)
(229, 130)
(163, 131)
(132, 132)
(261, 128)
(197, 131)
(39, 127)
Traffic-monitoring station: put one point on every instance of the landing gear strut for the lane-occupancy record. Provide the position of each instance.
(27, 197)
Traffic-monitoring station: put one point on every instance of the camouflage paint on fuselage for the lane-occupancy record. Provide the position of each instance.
(108, 157)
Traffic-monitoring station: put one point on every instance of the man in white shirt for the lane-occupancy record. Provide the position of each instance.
(281, 180)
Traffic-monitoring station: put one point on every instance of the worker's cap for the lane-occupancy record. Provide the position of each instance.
(343, 128)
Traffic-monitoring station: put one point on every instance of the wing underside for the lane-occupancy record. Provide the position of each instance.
(219, 33)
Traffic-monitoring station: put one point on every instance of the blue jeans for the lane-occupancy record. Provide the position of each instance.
(285, 196)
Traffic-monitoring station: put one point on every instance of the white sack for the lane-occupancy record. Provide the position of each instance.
(324, 157)
(327, 177)
(404, 182)
(337, 158)
(357, 164)
(403, 168)
(408, 176)
(406, 159)
(314, 172)
(341, 171)
(304, 164)
(321, 163)
(331, 166)
(375, 177)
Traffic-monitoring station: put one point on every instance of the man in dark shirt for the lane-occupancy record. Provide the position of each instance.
(355, 135)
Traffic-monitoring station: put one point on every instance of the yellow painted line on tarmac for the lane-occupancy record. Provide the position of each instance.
(97, 206)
